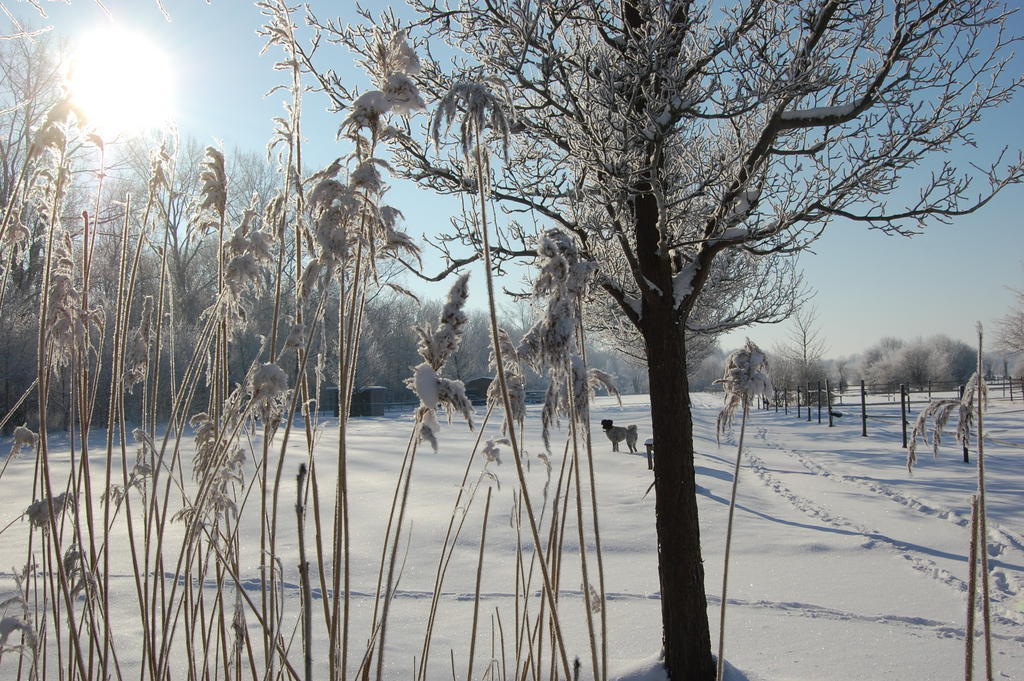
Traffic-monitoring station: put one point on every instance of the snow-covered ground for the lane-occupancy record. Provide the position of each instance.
(844, 566)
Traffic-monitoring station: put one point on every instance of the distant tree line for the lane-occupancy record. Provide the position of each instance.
(388, 348)
(917, 363)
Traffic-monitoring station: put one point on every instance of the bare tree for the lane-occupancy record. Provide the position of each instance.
(744, 291)
(1011, 327)
(388, 348)
(801, 359)
(674, 138)
(29, 87)
(842, 368)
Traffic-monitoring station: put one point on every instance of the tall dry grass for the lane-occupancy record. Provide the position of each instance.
(193, 455)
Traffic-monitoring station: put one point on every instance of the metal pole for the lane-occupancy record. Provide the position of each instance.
(863, 411)
(828, 396)
(819, 403)
(967, 435)
(807, 399)
(903, 412)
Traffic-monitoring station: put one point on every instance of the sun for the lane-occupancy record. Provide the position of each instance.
(122, 82)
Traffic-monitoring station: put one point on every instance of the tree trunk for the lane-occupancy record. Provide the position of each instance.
(686, 636)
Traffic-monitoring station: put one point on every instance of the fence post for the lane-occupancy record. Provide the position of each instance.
(798, 412)
(1010, 379)
(785, 400)
(903, 412)
(807, 399)
(819, 403)
(863, 410)
(828, 397)
(967, 435)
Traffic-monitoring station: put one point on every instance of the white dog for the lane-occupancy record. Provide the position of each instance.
(617, 434)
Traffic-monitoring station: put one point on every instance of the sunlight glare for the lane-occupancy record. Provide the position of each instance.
(122, 81)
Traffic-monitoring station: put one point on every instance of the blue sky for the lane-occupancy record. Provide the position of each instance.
(868, 285)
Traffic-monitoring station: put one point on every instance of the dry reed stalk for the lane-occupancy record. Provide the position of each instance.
(745, 378)
(521, 589)
(281, 26)
(476, 590)
(501, 638)
(183, 397)
(307, 596)
(588, 441)
(972, 589)
(338, 638)
(154, 519)
(85, 404)
(111, 421)
(448, 546)
(720, 673)
(390, 585)
(348, 350)
(486, 108)
(553, 552)
(300, 392)
(589, 605)
(191, 547)
(556, 549)
(265, 459)
(121, 324)
(260, 621)
(982, 521)
(45, 349)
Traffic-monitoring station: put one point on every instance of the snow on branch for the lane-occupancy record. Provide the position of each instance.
(682, 283)
(821, 115)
